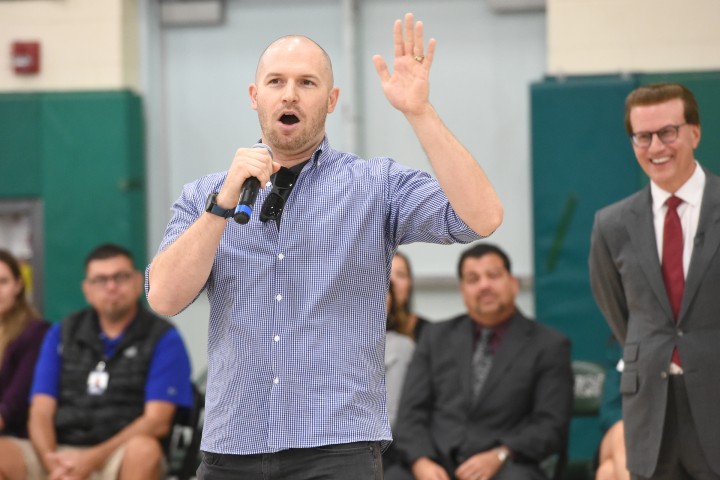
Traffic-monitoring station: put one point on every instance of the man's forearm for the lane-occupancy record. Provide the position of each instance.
(462, 179)
(43, 439)
(178, 273)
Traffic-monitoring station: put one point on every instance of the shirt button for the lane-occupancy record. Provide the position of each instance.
(276, 338)
(276, 380)
(281, 256)
(278, 297)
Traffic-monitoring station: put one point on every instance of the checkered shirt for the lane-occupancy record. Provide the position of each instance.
(297, 314)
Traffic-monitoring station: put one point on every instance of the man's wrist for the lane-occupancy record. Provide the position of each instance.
(421, 464)
(223, 201)
(212, 206)
(48, 460)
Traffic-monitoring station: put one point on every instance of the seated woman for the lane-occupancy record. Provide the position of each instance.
(401, 281)
(399, 349)
(21, 334)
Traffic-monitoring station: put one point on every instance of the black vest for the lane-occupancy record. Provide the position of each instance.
(84, 419)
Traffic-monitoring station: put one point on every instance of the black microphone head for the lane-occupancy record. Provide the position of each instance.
(241, 217)
(262, 145)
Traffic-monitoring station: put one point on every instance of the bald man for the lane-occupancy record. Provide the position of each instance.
(297, 294)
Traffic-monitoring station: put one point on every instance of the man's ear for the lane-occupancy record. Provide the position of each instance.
(695, 132)
(252, 90)
(516, 285)
(333, 99)
(85, 286)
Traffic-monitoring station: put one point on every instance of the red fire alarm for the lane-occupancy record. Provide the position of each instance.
(26, 57)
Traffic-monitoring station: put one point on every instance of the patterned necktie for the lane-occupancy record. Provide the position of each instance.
(672, 261)
(481, 362)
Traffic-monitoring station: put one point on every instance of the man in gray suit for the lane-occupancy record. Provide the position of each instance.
(655, 274)
(451, 423)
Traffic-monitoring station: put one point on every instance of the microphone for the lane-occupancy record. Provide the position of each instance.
(248, 194)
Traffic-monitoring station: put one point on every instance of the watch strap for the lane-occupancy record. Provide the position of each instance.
(215, 209)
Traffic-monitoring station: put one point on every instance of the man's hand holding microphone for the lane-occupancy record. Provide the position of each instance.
(251, 168)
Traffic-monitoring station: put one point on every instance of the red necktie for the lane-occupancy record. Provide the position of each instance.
(672, 261)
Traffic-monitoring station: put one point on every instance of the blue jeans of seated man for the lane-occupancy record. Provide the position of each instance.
(348, 461)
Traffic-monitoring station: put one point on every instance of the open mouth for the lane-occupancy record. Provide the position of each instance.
(289, 119)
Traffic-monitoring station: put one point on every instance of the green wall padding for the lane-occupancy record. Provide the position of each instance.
(706, 88)
(20, 145)
(582, 160)
(89, 158)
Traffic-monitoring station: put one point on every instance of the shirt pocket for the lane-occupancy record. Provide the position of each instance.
(629, 377)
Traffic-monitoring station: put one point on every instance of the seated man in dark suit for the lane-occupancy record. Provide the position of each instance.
(489, 393)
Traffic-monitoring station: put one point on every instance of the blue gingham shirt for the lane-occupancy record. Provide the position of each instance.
(296, 338)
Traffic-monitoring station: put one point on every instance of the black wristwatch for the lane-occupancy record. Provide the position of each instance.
(211, 206)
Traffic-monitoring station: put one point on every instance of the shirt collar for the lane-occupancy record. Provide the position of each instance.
(318, 153)
(498, 330)
(321, 152)
(690, 192)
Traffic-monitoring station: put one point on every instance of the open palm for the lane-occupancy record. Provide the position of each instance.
(407, 89)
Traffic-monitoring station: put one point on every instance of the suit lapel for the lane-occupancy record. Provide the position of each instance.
(640, 228)
(513, 343)
(707, 240)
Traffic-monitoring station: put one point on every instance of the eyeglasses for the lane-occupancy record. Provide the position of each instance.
(667, 134)
(119, 278)
(275, 202)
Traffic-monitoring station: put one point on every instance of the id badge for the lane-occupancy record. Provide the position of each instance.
(97, 381)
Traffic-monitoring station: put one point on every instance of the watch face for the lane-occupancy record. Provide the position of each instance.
(212, 207)
(210, 202)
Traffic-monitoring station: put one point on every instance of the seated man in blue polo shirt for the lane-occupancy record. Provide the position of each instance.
(107, 385)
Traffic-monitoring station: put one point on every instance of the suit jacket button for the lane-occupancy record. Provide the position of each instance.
(663, 375)
(679, 333)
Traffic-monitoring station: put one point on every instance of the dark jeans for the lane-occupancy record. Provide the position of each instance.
(347, 461)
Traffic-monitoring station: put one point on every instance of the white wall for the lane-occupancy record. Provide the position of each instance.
(480, 86)
(621, 36)
(84, 44)
(199, 111)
